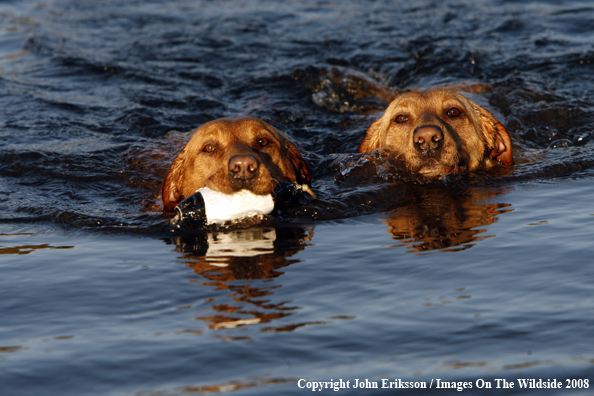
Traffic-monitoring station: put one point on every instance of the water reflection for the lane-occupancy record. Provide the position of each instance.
(26, 249)
(442, 218)
(252, 254)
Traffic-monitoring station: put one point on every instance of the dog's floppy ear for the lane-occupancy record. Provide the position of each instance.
(502, 149)
(294, 156)
(171, 190)
(372, 138)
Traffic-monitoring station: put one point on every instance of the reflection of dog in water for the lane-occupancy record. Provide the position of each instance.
(228, 155)
(248, 255)
(439, 218)
(243, 253)
(440, 132)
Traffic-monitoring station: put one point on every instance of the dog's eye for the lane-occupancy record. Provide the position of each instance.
(263, 142)
(209, 148)
(401, 118)
(454, 112)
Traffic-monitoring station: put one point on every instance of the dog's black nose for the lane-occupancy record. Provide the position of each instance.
(243, 167)
(428, 138)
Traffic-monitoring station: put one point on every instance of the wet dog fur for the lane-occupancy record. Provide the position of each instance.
(440, 132)
(231, 154)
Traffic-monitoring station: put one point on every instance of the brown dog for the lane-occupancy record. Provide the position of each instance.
(231, 154)
(440, 132)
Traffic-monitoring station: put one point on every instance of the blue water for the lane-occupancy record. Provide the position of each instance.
(111, 314)
(485, 280)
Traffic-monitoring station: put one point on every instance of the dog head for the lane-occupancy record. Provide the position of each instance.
(228, 155)
(440, 132)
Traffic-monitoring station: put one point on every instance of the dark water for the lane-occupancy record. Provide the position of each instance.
(481, 278)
